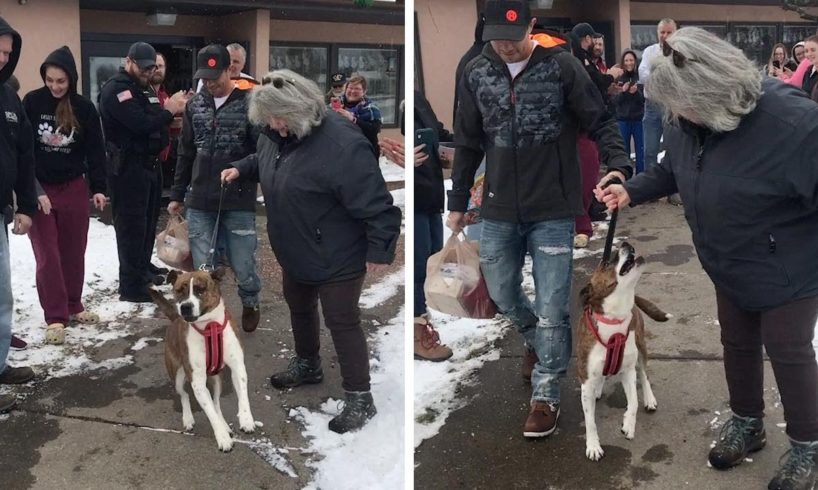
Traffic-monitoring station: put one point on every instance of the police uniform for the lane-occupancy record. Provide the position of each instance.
(136, 130)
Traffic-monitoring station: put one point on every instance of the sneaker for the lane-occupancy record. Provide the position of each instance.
(7, 402)
(542, 419)
(739, 437)
(581, 241)
(250, 316)
(427, 342)
(358, 409)
(17, 343)
(798, 472)
(529, 360)
(16, 375)
(299, 371)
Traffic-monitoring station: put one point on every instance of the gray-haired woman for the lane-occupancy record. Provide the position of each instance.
(753, 211)
(330, 219)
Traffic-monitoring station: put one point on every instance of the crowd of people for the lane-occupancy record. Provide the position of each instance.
(330, 218)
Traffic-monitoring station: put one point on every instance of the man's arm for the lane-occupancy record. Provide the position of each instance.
(95, 151)
(123, 108)
(644, 66)
(184, 161)
(468, 139)
(24, 185)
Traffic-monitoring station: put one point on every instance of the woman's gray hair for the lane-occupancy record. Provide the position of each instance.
(287, 95)
(716, 84)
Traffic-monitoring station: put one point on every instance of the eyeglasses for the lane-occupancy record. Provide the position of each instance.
(277, 82)
(678, 58)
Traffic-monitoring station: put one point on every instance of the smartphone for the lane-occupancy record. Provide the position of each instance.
(427, 136)
(335, 103)
(777, 64)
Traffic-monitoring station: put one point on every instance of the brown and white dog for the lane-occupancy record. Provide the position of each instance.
(200, 308)
(611, 320)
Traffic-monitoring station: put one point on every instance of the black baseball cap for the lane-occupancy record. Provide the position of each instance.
(143, 55)
(506, 20)
(211, 61)
(584, 29)
(338, 79)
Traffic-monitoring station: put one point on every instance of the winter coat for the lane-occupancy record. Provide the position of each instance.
(211, 139)
(368, 118)
(528, 130)
(751, 201)
(630, 107)
(64, 155)
(16, 143)
(429, 192)
(328, 210)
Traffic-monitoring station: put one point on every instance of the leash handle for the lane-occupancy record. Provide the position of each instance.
(212, 252)
(606, 253)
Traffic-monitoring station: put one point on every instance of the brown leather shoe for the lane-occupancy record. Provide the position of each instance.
(250, 316)
(542, 419)
(427, 342)
(529, 359)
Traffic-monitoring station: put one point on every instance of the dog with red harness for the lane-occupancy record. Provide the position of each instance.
(612, 341)
(200, 341)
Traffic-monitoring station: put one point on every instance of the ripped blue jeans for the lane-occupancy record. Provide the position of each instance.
(237, 231)
(546, 325)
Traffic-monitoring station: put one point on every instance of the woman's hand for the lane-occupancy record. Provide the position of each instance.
(100, 201)
(22, 223)
(175, 208)
(420, 155)
(610, 175)
(44, 204)
(346, 114)
(614, 196)
(230, 174)
(393, 150)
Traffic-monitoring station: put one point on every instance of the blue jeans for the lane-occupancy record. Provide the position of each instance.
(238, 229)
(428, 241)
(6, 299)
(652, 124)
(634, 129)
(545, 326)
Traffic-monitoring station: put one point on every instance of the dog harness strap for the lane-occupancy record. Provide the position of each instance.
(214, 345)
(614, 349)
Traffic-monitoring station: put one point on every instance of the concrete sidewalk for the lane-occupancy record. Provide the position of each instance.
(122, 428)
(481, 445)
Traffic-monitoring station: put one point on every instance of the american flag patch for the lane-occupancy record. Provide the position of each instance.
(124, 95)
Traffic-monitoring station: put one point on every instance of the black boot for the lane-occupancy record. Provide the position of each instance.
(798, 472)
(358, 408)
(16, 375)
(7, 402)
(156, 270)
(739, 437)
(250, 316)
(299, 371)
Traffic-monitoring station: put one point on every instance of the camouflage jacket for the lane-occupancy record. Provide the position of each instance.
(527, 129)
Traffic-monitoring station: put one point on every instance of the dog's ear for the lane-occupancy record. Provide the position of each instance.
(172, 276)
(218, 273)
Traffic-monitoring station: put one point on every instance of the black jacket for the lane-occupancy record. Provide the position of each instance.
(328, 210)
(630, 107)
(429, 192)
(211, 139)
(601, 80)
(473, 52)
(750, 197)
(16, 143)
(528, 130)
(64, 155)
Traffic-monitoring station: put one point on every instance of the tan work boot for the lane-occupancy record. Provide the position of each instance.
(427, 342)
(542, 419)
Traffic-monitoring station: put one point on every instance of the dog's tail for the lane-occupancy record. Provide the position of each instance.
(164, 305)
(652, 310)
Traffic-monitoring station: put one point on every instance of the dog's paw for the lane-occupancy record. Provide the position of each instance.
(629, 427)
(650, 403)
(594, 451)
(188, 424)
(225, 442)
(246, 422)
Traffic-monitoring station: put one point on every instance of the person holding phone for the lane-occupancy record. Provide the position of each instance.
(630, 107)
(356, 107)
(780, 66)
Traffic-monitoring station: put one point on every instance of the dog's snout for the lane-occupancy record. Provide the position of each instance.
(186, 309)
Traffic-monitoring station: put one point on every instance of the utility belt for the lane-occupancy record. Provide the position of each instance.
(119, 159)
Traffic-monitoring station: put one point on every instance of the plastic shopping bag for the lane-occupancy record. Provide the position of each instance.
(172, 246)
(454, 284)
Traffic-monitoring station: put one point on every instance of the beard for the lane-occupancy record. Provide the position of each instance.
(157, 79)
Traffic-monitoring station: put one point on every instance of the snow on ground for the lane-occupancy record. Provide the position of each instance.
(383, 290)
(99, 295)
(373, 456)
(391, 171)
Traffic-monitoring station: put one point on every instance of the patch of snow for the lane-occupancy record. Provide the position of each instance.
(274, 456)
(391, 172)
(381, 291)
(143, 342)
(399, 199)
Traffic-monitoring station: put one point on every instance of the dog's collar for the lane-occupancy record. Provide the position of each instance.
(214, 344)
(607, 320)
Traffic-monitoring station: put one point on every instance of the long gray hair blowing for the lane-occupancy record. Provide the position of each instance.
(287, 95)
(715, 83)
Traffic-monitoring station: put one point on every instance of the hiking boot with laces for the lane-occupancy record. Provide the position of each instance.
(542, 419)
(358, 409)
(427, 342)
(300, 371)
(739, 437)
(798, 472)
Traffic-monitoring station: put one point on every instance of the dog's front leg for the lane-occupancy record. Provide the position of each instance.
(647, 391)
(187, 415)
(220, 429)
(629, 385)
(217, 395)
(235, 360)
(592, 448)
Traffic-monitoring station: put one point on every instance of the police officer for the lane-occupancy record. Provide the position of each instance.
(136, 130)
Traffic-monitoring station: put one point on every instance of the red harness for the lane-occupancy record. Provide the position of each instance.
(615, 348)
(214, 344)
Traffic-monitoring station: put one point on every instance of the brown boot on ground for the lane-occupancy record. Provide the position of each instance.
(427, 342)
(542, 419)
(250, 316)
(529, 359)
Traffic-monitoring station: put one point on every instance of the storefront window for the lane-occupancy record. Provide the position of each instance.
(380, 68)
(100, 69)
(642, 36)
(756, 41)
(308, 61)
(795, 34)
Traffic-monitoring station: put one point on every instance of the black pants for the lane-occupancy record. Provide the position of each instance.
(786, 332)
(339, 303)
(136, 194)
